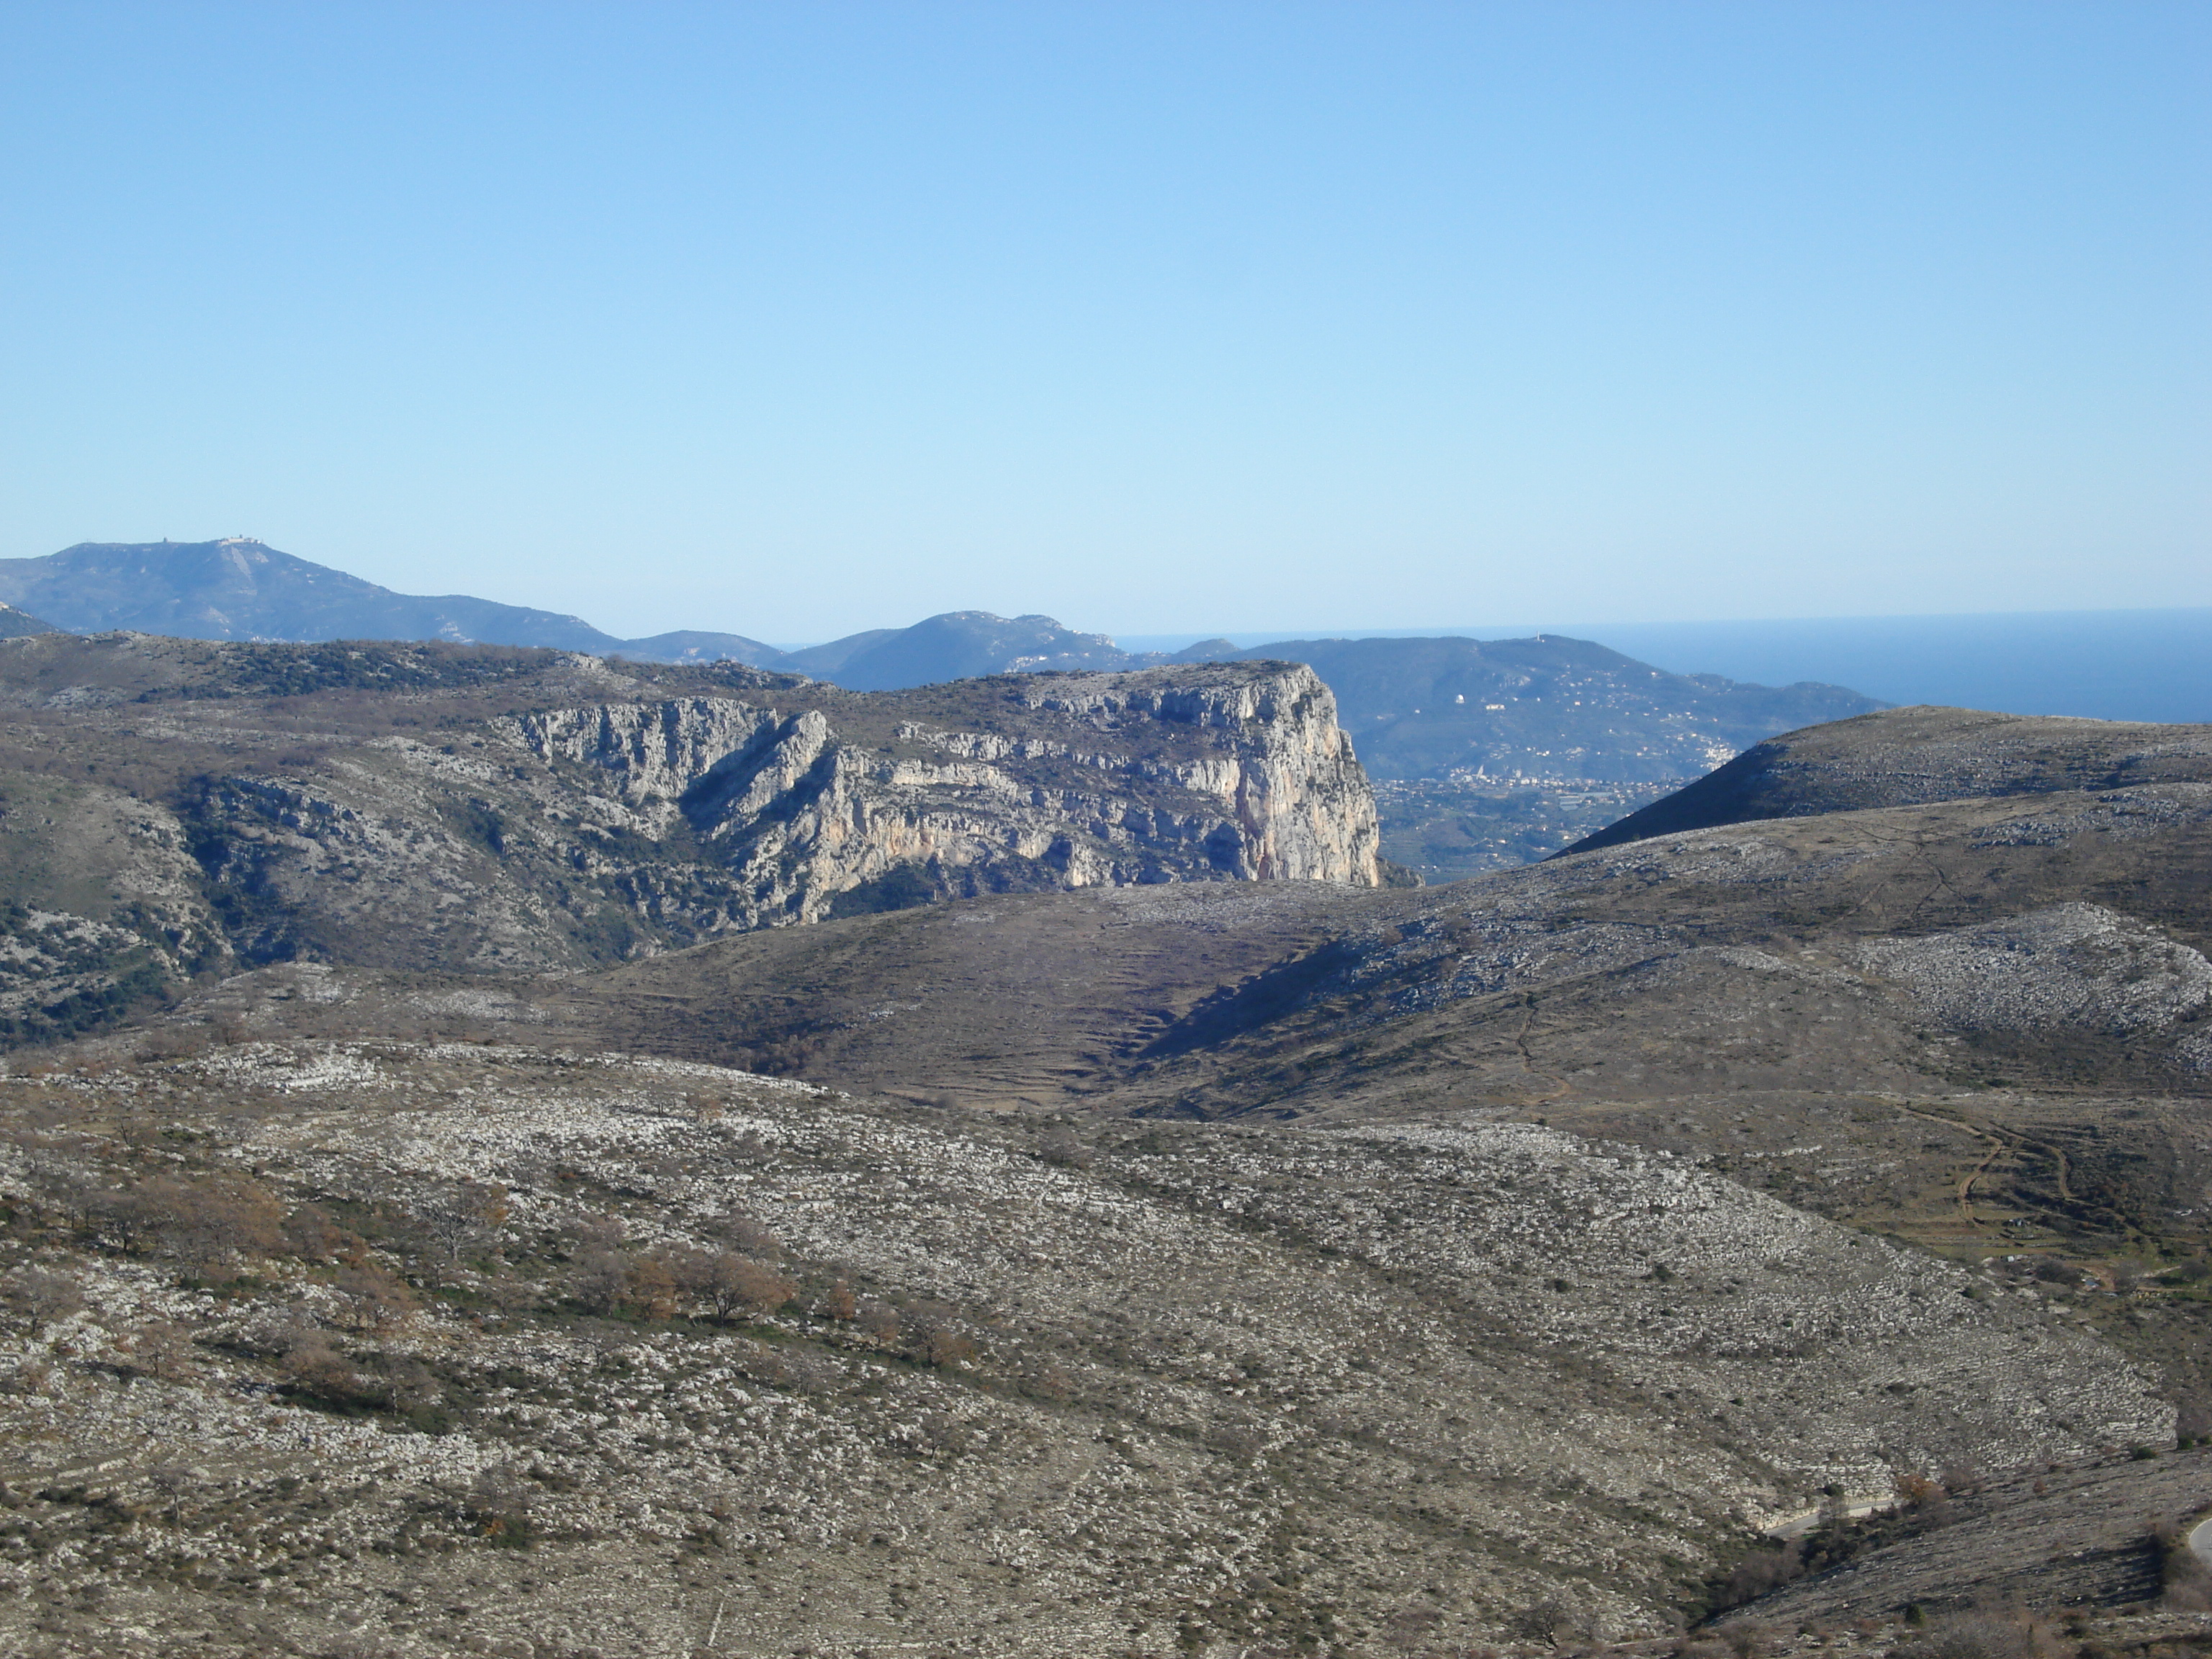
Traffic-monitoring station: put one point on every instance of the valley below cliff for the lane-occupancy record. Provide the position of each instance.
(616, 1160)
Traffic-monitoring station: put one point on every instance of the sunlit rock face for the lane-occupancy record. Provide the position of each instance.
(1236, 773)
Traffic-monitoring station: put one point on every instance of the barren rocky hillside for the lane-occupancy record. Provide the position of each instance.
(2068, 1540)
(2051, 941)
(1978, 1023)
(1213, 1265)
(424, 1348)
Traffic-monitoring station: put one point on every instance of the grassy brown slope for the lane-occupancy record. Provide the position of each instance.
(1035, 1000)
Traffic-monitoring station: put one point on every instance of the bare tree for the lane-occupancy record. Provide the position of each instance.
(314, 1366)
(1061, 1144)
(732, 1283)
(879, 1321)
(499, 1502)
(38, 1297)
(312, 1235)
(207, 1222)
(599, 1232)
(466, 1215)
(373, 1298)
(649, 1288)
(173, 1481)
(163, 1348)
(748, 1237)
(597, 1278)
(407, 1383)
(609, 1282)
(941, 1346)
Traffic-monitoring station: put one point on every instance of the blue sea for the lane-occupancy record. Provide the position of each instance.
(2106, 665)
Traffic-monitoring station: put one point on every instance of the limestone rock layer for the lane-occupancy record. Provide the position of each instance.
(1204, 773)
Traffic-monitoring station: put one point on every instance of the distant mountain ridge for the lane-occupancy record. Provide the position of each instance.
(966, 645)
(18, 624)
(1487, 711)
(238, 588)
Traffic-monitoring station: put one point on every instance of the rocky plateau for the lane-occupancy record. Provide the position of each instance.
(169, 808)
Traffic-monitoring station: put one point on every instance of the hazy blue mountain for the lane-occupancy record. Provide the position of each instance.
(692, 645)
(13, 623)
(962, 645)
(240, 589)
(959, 645)
(824, 661)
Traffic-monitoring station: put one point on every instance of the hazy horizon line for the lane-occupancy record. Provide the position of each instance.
(1248, 638)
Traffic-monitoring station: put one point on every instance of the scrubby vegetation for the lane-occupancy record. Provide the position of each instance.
(296, 1325)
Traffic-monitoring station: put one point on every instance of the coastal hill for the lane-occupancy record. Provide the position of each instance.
(1548, 706)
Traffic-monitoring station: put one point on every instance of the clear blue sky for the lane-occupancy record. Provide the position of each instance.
(796, 319)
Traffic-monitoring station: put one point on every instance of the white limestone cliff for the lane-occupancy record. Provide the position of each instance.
(1216, 772)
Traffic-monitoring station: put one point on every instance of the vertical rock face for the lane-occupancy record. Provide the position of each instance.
(1215, 772)
(1299, 802)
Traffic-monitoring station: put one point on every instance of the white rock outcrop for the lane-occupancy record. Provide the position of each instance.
(2074, 965)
